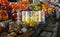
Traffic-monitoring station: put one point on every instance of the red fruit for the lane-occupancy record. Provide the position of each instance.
(3, 15)
(0, 1)
(14, 16)
(7, 9)
(12, 5)
(26, 1)
(24, 5)
(46, 5)
(5, 2)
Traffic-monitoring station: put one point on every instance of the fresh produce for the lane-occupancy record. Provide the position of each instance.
(12, 6)
(32, 19)
(14, 16)
(3, 15)
(7, 9)
(26, 1)
(4, 2)
(50, 10)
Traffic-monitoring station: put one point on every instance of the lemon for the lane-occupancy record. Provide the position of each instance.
(28, 19)
(32, 24)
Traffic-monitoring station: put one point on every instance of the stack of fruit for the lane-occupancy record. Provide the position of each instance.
(4, 2)
(31, 17)
(25, 1)
(3, 15)
(36, 6)
(18, 5)
(4, 11)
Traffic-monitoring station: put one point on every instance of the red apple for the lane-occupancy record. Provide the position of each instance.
(14, 16)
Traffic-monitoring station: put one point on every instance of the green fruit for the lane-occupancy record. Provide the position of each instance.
(36, 8)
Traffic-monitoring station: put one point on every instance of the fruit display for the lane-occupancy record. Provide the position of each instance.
(31, 17)
(35, 6)
(4, 2)
(4, 15)
(23, 15)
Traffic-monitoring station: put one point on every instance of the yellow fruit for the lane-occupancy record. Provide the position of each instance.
(32, 18)
(23, 19)
(43, 6)
(49, 10)
(28, 19)
(32, 24)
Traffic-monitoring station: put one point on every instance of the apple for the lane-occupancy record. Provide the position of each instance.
(14, 16)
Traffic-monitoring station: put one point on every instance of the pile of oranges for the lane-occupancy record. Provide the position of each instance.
(18, 5)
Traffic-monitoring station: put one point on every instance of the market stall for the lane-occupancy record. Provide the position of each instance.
(24, 18)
